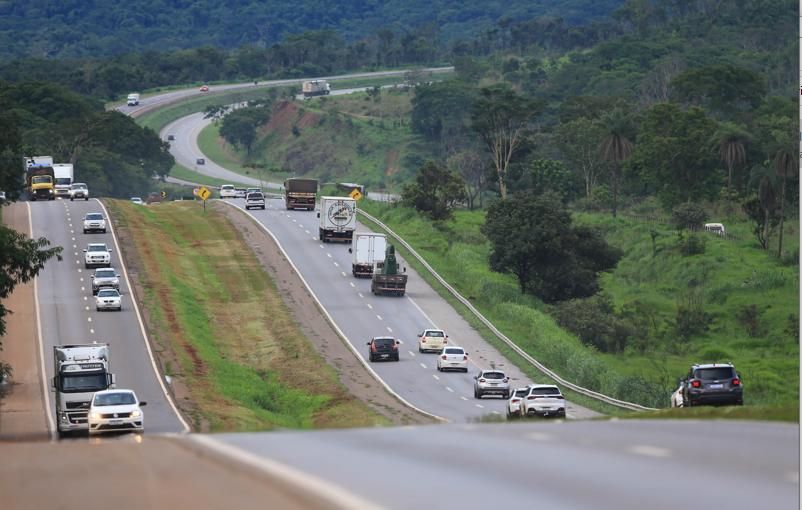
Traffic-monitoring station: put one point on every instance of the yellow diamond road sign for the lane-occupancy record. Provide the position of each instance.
(355, 194)
(204, 193)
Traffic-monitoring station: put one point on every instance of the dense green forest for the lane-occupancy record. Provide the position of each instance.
(58, 29)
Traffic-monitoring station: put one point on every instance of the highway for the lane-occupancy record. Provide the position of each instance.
(67, 312)
(600, 465)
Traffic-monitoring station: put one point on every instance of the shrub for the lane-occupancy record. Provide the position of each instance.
(692, 244)
(688, 216)
(691, 318)
(749, 317)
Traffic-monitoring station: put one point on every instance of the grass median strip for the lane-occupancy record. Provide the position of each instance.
(236, 347)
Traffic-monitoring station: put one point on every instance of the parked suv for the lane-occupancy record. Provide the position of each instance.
(491, 382)
(716, 383)
(383, 347)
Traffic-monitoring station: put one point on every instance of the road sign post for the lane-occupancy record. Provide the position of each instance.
(355, 194)
(204, 195)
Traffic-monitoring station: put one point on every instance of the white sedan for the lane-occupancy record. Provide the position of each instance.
(108, 299)
(228, 191)
(113, 410)
(453, 358)
(432, 340)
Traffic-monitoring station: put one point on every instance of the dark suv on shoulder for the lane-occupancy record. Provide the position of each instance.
(384, 348)
(716, 383)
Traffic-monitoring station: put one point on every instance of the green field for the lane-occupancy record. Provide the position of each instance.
(737, 274)
(236, 347)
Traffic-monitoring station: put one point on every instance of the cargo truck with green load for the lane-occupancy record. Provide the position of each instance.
(389, 280)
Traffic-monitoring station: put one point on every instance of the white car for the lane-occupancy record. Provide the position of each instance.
(79, 190)
(453, 358)
(227, 191)
(677, 399)
(514, 402)
(114, 410)
(252, 190)
(97, 255)
(432, 340)
(94, 222)
(240, 192)
(255, 200)
(137, 201)
(108, 299)
(543, 400)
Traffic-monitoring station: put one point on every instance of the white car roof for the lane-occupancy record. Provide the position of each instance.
(111, 392)
(97, 244)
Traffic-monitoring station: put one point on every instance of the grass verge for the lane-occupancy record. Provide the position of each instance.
(764, 412)
(236, 347)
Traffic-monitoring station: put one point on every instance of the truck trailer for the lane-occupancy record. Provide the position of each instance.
(39, 178)
(337, 218)
(300, 193)
(63, 173)
(80, 370)
(316, 88)
(368, 249)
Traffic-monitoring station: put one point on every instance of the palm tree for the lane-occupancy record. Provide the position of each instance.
(766, 184)
(616, 147)
(730, 141)
(785, 165)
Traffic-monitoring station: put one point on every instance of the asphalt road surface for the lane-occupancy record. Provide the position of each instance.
(68, 316)
(615, 465)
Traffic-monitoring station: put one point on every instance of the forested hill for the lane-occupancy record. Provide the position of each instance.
(81, 28)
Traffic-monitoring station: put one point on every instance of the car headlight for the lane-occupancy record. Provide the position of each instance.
(136, 413)
(94, 415)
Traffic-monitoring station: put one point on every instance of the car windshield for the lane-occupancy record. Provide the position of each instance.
(383, 342)
(226, 187)
(436, 334)
(114, 399)
(452, 350)
(97, 247)
(40, 179)
(108, 293)
(83, 382)
(521, 393)
(79, 186)
(255, 196)
(94, 216)
(105, 273)
(493, 375)
(63, 180)
(715, 373)
(545, 391)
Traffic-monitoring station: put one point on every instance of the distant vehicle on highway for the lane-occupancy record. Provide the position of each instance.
(170, 138)
(115, 410)
(715, 383)
(543, 400)
(383, 348)
(94, 222)
(491, 382)
(137, 201)
(154, 197)
(453, 358)
(200, 161)
(228, 191)
(240, 192)
(105, 278)
(253, 190)
(255, 200)
(432, 340)
(204, 88)
(79, 190)
(315, 88)
(515, 401)
(108, 299)
(133, 99)
(97, 255)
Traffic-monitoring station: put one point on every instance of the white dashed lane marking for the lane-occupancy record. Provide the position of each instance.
(328, 255)
(463, 398)
(449, 389)
(435, 377)
(352, 284)
(480, 406)
(649, 450)
(422, 365)
(370, 306)
(360, 294)
(379, 317)
(389, 329)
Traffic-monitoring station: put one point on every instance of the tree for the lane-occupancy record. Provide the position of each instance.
(239, 126)
(435, 192)
(214, 112)
(579, 141)
(616, 146)
(785, 165)
(730, 142)
(469, 164)
(761, 207)
(721, 87)
(542, 175)
(501, 118)
(532, 237)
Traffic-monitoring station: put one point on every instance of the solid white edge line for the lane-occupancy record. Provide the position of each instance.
(145, 338)
(434, 326)
(51, 422)
(332, 322)
(336, 495)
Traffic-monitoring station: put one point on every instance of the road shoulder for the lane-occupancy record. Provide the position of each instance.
(22, 408)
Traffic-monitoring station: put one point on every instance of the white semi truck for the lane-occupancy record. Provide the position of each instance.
(133, 99)
(79, 371)
(316, 88)
(368, 249)
(63, 173)
(337, 218)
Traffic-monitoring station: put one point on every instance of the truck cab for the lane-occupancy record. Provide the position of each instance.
(80, 371)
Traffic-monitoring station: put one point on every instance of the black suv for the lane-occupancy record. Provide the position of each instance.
(383, 347)
(716, 383)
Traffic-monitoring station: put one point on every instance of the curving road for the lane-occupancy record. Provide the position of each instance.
(626, 464)
(68, 316)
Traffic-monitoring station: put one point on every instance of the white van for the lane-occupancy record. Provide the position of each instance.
(716, 228)
(228, 191)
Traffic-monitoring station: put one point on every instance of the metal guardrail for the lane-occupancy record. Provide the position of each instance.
(501, 336)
